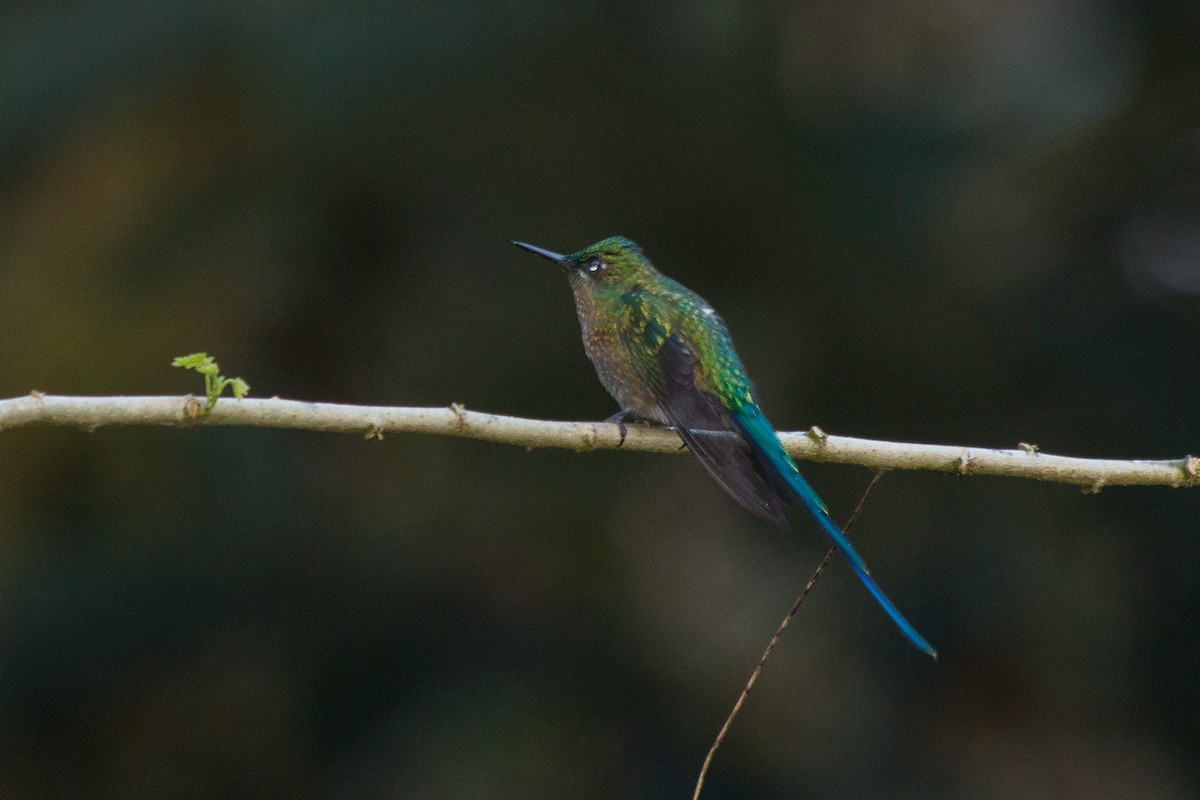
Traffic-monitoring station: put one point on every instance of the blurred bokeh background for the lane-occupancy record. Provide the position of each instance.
(943, 221)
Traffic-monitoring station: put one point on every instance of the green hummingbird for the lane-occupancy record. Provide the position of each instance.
(665, 356)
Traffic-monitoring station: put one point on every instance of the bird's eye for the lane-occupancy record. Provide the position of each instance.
(594, 265)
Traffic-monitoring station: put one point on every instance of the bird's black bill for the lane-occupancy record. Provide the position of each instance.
(557, 258)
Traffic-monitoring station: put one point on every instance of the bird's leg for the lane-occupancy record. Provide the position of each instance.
(619, 418)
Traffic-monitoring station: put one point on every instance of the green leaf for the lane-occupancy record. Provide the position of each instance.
(193, 361)
(214, 382)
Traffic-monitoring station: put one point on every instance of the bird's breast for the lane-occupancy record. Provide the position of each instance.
(616, 369)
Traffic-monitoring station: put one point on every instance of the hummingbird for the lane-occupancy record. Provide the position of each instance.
(666, 357)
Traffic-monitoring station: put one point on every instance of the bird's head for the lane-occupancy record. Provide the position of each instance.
(613, 263)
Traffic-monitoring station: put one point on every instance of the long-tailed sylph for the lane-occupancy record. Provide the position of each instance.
(665, 356)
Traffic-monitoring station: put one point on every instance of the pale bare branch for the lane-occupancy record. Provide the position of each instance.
(1024, 461)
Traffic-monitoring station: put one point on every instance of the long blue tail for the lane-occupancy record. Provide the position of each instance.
(763, 440)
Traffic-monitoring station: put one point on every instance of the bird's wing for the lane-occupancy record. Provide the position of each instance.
(668, 366)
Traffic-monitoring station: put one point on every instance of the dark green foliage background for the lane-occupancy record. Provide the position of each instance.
(945, 222)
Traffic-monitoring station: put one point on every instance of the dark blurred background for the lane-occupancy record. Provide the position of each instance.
(945, 221)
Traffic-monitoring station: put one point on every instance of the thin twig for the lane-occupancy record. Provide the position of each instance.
(787, 620)
(374, 422)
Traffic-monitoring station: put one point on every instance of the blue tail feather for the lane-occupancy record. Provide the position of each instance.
(765, 443)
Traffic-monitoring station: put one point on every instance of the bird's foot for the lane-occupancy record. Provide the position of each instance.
(619, 419)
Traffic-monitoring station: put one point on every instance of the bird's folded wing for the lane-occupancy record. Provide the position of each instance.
(706, 426)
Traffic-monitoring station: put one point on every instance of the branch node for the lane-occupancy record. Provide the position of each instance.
(39, 398)
(374, 433)
(590, 438)
(965, 462)
(1191, 466)
(193, 409)
(1094, 488)
(817, 435)
(460, 414)
(1031, 449)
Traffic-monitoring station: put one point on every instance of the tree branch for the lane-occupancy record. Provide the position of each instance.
(91, 413)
